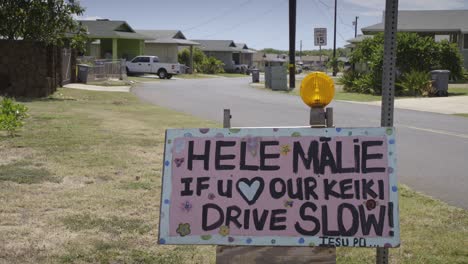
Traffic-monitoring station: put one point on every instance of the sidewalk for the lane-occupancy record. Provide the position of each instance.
(442, 105)
(98, 88)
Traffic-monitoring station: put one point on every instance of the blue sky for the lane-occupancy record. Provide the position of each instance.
(259, 23)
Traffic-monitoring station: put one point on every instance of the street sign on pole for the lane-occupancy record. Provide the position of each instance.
(320, 36)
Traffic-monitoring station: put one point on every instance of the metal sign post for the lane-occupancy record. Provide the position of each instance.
(320, 39)
(388, 82)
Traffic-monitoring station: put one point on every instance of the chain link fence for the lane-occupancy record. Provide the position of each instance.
(103, 69)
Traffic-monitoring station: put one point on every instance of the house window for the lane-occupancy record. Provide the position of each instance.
(465, 41)
(439, 38)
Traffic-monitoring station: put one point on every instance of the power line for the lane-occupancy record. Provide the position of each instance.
(218, 16)
(261, 16)
(326, 5)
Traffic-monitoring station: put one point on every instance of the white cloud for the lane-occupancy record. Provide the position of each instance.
(375, 7)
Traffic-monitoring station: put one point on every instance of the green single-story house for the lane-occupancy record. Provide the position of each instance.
(451, 25)
(113, 39)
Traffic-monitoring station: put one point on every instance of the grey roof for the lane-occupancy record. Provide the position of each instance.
(216, 45)
(243, 48)
(359, 38)
(427, 21)
(166, 37)
(110, 29)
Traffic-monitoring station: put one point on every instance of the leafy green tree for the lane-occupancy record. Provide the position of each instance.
(449, 58)
(47, 21)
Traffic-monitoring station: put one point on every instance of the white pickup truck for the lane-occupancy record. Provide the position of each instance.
(151, 64)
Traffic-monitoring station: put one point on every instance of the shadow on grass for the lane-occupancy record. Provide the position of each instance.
(24, 172)
(44, 99)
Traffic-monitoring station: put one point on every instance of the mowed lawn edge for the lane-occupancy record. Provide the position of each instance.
(81, 183)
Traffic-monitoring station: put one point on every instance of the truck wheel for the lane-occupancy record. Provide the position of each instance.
(169, 76)
(162, 74)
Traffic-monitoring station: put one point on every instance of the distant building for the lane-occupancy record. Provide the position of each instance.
(261, 59)
(312, 62)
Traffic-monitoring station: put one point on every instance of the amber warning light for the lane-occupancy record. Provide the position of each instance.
(317, 90)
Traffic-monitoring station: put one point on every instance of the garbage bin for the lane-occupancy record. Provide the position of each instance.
(255, 75)
(440, 79)
(83, 70)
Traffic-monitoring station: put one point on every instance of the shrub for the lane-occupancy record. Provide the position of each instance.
(367, 84)
(198, 57)
(11, 116)
(211, 65)
(415, 53)
(347, 80)
(415, 83)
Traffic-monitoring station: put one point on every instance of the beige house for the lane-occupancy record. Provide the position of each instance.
(231, 54)
(261, 59)
(165, 44)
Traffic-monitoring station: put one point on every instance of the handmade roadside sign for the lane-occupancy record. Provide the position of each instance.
(280, 187)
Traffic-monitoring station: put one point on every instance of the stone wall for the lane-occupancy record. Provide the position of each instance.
(29, 69)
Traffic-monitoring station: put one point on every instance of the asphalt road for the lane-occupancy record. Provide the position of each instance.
(432, 148)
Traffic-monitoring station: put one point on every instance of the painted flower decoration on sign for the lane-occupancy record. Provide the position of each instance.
(371, 204)
(211, 196)
(183, 229)
(288, 203)
(186, 206)
(252, 144)
(285, 149)
(224, 230)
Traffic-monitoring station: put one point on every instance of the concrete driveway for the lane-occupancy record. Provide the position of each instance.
(432, 148)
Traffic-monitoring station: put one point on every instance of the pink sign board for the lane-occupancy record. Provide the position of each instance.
(280, 187)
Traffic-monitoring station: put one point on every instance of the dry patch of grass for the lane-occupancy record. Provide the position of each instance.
(81, 184)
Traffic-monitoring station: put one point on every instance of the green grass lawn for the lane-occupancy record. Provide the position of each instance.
(463, 114)
(232, 75)
(195, 76)
(456, 91)
(81, 184)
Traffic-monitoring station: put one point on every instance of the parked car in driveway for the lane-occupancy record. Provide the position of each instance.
(151, 64)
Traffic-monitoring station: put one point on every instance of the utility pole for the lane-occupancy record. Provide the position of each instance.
(292, 44)
(334, 43)
(300, 51)
(355, 26)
